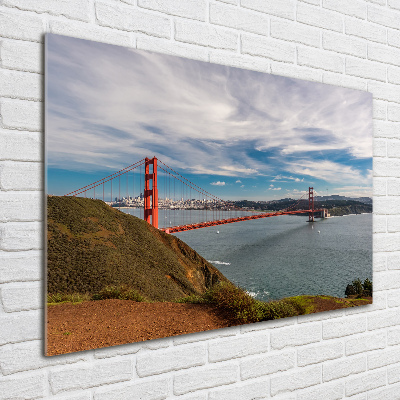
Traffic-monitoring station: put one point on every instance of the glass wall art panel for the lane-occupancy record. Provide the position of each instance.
(184, 196)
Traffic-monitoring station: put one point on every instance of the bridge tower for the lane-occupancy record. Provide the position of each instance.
(151, 194)
(311, 204)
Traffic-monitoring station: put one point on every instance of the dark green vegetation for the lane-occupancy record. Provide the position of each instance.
(335, 207)
(96, 251)
(241, 308)
(359, 289)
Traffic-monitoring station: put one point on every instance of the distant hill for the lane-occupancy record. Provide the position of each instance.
(91, 245)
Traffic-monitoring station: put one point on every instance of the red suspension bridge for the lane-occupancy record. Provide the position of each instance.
(180, 194)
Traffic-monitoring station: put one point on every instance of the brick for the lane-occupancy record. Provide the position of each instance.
(22, 114)
(393, 113)
(20, 146)
(344, 44)
(267, 364)
(120, 350)
(25, 266)
(206, 335)
(380, 262)
(152, 363)
(386, 205)
(89, 32)
(393, 375)
(247, 391)
(193, 9)
(20, 206)
(20, 236)
(319, 353)
(344, 367)
(384, 54)
(383, 358)
(379, 110)
(344, 327)
(75, 9)
(172, 48)
(330, 391)
(268, 48)
(365, 383)
(315, 2)
(319, 17)
(384, 91)
(20, 327)
(296, 335)
(91, 375)
(239, 18)
(16, 175)
(388, 280)
(23, 386)
(387, 393)
(316, 58)
(365, 69)
(393, 187)
(380, 148)
(353, 8)
(283, 9)
(22, 296)
(365, 342)
(20, 85)
(239, 61)
(294, 380)
(17, 25)
(393, 38)
(393, 298)
(393, 261)
(132, 20)
(379, 186)
(386, 242)
(293, 32)
(383, 319)
(203, 378)
(205, 35)
(379, 223)
(296, 71)
(386, 129)
(234, 2)
(28, 356)
(230, 348)
(393, 336)
(384, 16)
(365, 30)
(344, 81)
(394, 4)
(381, 2)
(154, 389)
(22, 56)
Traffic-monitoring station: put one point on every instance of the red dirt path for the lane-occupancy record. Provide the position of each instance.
(102, 323)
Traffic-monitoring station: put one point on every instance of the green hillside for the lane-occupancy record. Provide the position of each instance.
(91, 246)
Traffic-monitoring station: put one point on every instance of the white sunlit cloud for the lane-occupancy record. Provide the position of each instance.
(218, 183)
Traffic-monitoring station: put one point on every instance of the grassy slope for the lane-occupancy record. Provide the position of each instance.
(91, 246)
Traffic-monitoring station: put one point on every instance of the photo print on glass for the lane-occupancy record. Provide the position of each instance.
(185, 196)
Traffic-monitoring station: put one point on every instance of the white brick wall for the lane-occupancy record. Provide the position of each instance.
(353, 354)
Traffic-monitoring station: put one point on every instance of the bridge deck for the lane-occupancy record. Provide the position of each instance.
(182, 228)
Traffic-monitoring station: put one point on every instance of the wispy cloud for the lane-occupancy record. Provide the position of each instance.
(108, 106)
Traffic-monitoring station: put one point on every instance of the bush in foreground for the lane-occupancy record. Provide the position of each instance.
(242, 308)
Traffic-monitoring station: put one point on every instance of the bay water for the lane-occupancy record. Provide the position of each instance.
(283, 256)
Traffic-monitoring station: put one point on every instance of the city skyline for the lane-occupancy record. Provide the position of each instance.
(237, 133)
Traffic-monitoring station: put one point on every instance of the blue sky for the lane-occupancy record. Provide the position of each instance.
(238, 134)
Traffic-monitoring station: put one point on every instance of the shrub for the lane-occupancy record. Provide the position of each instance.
(67, 298)
(121, 292)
